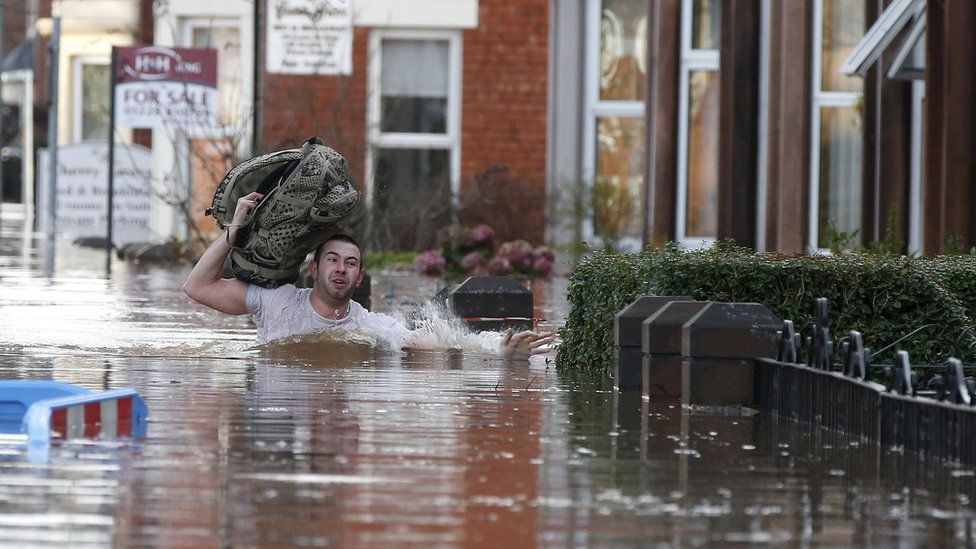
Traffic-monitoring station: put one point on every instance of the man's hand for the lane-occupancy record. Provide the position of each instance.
(525, 344)
(245, 205)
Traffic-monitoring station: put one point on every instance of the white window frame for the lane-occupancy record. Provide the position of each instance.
(692, 60)
(450, 140)
(820, 100)
(78, 94)
(25, 78)
(906, 54)
(597, 108)
(762, 155)
(884, 30)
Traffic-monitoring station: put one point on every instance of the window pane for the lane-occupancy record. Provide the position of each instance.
(411, 197)
(843, 27)
(227, 42)
(623, 54)
(415, 68)
(619, 177)
(414, 114)
(94, 101)
(414, 86)
(840, 171)
(702, 203)
(706, 24)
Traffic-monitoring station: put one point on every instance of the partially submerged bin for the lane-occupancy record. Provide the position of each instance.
(43, 411)
(490, 303)
(627, 337)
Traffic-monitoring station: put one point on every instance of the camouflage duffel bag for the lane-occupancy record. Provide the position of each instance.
(307, 196)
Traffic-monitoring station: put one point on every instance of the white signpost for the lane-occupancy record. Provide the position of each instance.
(309, 37)
(82, 184)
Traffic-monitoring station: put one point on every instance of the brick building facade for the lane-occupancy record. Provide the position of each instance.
(503, 115)
(479, 153)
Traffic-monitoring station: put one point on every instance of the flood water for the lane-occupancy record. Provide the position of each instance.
(335, 443)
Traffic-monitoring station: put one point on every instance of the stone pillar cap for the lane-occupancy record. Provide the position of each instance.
(627, 322)
(731, 330)
(661, 332)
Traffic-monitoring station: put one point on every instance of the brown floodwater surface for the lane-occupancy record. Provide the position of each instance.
(335, 442)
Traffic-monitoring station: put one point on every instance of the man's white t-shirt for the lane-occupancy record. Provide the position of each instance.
(287, 311)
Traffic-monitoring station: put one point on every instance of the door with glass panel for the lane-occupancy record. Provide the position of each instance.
(614, 153)
(213, 151)
(90, 101)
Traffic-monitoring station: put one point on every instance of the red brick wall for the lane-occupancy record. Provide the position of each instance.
(295, 107)
(15, 20)
(503, 119)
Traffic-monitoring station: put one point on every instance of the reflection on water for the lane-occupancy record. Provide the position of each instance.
(335, 442)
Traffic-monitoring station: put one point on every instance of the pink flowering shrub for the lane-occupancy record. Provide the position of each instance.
(430, 262)
(472, 260)
(542, 266)
(484, 235)
(472, 252)
(499, 266)
(519, 253)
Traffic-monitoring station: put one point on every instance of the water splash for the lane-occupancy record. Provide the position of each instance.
(435, 328)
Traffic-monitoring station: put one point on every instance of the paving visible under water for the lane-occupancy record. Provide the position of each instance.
(335, 443)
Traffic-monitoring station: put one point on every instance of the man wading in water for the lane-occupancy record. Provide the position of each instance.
(286, 311)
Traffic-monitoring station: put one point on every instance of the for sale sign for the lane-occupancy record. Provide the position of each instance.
(157, 86)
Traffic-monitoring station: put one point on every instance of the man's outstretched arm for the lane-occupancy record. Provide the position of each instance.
(204, 283)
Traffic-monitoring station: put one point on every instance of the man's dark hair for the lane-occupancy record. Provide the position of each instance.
(342, 237)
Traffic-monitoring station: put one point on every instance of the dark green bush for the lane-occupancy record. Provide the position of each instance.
(957, 274)
(883, 297)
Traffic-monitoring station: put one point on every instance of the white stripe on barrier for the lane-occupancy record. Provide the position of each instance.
(497, 318)
(76, 421)
(110, 418)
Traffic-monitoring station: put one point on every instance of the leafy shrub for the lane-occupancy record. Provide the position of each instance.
(883, 297)
(957, 274)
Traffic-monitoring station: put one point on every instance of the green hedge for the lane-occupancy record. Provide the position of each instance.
(957, 274)
(883, 297)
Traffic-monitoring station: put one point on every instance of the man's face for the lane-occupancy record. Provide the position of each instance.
(338, 271)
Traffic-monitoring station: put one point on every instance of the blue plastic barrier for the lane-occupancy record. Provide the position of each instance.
(51, 410)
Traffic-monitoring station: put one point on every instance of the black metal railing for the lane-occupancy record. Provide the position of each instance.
(934, 414)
